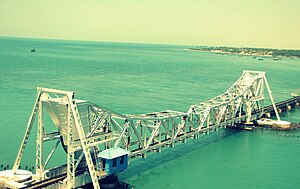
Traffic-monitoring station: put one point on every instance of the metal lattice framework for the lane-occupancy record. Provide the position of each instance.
(94, 128)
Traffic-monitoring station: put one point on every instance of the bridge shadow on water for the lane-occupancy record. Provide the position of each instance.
(138, 165)
(154, 159)
(121, 185)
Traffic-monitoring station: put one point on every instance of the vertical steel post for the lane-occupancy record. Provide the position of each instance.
(83, 141)
(70, 156)
(271, 97)
(39, 161)
(159, 140)
(173, 132)
(184, 127)
(208, 122)
(27, 132)
(249, 111)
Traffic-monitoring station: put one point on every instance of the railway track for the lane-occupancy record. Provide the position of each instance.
(46, 182)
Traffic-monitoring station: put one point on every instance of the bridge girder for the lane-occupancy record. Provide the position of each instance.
(87, 127)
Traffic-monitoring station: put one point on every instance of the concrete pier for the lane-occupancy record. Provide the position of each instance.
(283, 106)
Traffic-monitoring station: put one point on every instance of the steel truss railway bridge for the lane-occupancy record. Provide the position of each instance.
(86, 129)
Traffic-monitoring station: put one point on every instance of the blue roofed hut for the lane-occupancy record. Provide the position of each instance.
(114, 160)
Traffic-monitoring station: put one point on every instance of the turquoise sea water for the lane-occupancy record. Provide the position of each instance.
(140, 78)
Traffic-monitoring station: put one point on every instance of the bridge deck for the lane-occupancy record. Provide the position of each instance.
(292, 102)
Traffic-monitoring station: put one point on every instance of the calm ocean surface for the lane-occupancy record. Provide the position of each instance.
(141, 78)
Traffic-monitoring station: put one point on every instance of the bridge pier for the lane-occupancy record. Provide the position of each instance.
(286, 105)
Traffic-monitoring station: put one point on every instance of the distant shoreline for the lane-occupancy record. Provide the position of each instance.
(255, 53)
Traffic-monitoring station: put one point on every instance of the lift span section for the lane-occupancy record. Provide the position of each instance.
(87, 128)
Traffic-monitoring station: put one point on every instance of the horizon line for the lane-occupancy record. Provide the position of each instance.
(141, 43)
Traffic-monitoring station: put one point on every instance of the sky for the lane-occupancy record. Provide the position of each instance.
(248, 23)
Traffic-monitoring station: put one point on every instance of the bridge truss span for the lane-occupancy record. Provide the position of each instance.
(245, 97)
(85, 128)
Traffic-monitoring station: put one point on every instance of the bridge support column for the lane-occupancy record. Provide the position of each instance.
(271, 98)
(39, 144)
(249, 112)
